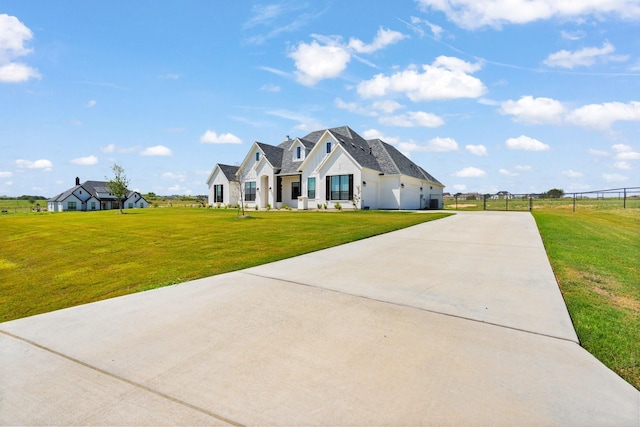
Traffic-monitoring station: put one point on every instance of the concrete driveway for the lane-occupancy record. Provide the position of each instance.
(453, 322)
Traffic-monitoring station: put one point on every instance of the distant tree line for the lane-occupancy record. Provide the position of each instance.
(23, 197)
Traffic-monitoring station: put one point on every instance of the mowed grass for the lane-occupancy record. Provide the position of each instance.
(595, 255)
(52, 261)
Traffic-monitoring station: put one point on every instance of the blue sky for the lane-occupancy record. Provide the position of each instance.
(516, 95)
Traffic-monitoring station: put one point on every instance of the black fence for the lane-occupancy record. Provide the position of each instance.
(614, 198)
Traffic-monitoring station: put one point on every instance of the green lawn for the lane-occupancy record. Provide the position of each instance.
(51, 261)
(595, 255)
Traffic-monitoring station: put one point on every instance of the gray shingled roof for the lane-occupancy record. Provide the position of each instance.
(98, 189)
(393, 162)
(229, 171)
(273, 154)
(289, 167)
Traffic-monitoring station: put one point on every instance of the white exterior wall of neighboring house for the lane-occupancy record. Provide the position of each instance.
(76, 203)
(230, 191)
(92, 204)
(135, 201)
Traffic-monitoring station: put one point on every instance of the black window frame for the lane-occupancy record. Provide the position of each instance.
(298, 152)
(311, 192)
(295, 190)
(218, 196)
(328, 147)
(344, 190)
(250, 191)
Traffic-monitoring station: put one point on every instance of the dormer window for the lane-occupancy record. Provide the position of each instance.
(298, 152)
(328, 147)
(257, 156)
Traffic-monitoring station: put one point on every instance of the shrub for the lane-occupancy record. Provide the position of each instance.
(218, 205)
(338, 206)
(268, 206)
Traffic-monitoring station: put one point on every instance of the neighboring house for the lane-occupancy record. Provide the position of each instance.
(224, 187)
(327, 167)
(93, 196)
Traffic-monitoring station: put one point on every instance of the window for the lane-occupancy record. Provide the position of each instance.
(298, 152)
(130, 205)
(257, 156)
(295, 189)
(71, 206)
(250, 191)
(311, 188)
(93, 206)
(328, 147)
(217, 193)
(340, 187)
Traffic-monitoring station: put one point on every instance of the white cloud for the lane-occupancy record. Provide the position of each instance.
(436, 30)
(622, 165)
(13, 36)
(613, 177)
(470, 172)
(211, 137)
(354, 107)
(446, 78)
(387, 106)
(315, 62)
(524, 168)
(112, 148)
(460, 187)
(602, 116)
(572, 174)
(17, 72)
(383, 39)
(413, 119)
(598, 153)
(177, 176)
(526, 143)
(38, 164)
(572, 35)
(534, 110)
(270, 87)
(625, 152)
(157, 150)
(92, 103)
(508, 173)
(584, 57)
(6, 174)
(85, 161)
(376, 134)
(473, 14)
(478, 150)
(442, 144)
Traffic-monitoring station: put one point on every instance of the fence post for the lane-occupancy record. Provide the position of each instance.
(530, 203)
(574, 202)
(624, 204)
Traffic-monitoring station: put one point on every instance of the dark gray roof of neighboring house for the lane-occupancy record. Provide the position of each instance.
(393, 162)
(97, 189)
(229, 171)
(273, 154)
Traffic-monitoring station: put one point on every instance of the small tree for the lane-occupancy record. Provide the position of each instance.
(555, 193)
(118, 185)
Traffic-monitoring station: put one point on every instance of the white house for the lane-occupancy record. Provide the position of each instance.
(93, 196)
(223, 184)
(327, 167)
